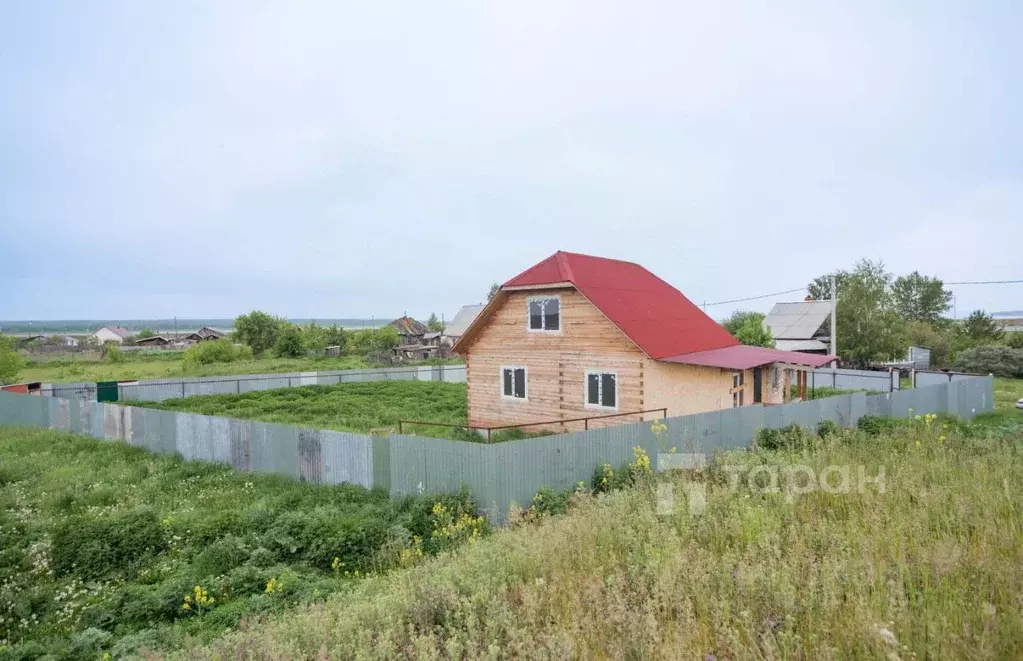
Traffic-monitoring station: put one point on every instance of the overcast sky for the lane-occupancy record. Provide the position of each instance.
(335, 159)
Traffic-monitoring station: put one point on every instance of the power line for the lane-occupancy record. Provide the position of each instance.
(753, 298)
(792, 291)
(985, 282)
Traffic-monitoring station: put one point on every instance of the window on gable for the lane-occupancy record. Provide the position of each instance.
(602, 389)
(513, 382)
(545, 313)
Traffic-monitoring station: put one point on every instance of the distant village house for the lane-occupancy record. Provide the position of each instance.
(111, 334)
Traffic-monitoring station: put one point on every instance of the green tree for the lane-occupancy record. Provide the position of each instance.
(1014, 340)
(920, 298)
(938, 338)
(144, 333)
(336, 336)
(289, 341)
(257, 329)
(385, 339)
(981, 328)
(748, 327)
(360, 342)
(10, 361)
(434, 324)
(819, 288)
(494, 288)
(314, 337)
(869, 327)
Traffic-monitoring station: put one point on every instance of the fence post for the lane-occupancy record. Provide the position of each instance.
(182, 388)
(238, 386)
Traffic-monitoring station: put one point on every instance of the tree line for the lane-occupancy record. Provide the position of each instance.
(880, 315)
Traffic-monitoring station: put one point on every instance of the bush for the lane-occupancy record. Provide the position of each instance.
(289, 341)
(999, 360)
(216, 351)
(548, 501)
(10, 361)
(826, 428)
(792, 437)
(875, 425)
(113, 354)
(1014, 340)
(93, 547)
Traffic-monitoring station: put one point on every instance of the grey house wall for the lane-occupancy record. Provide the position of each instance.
(498, 474)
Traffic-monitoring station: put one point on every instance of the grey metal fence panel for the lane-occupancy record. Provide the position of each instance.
(847, 379)
(347, 458)
(158, 390)
(925, 378)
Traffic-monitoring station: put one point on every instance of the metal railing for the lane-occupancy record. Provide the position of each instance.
(584, 420)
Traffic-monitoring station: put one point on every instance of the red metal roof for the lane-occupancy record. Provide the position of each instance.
(658, 318)
(741, 357)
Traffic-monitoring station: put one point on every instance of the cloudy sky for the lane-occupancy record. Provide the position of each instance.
(336, 159)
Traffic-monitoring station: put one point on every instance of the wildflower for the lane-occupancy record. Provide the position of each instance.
(272, 585)
(941, 438)
(918, 443)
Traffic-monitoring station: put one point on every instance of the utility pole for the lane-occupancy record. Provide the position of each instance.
(834, 317)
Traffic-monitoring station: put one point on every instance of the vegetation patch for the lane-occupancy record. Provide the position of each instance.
(105, 548)
(354, 407)
(925, 568)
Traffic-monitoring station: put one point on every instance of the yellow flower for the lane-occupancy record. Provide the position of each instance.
(186, 606)
(941, 438)
(918, 443)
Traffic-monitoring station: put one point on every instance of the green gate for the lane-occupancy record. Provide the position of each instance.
(106, 391)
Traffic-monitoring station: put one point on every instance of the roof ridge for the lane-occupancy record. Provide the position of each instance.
(564, 266)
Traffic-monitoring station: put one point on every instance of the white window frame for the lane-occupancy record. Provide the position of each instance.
(586, 385)
(525, 379)
(561, 315)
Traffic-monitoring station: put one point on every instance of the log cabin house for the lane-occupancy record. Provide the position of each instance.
(582, 336)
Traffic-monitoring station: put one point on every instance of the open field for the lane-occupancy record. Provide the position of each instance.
(354, 407)
(157, 365)
(101, 543)
(1008, 392)
(930, 568)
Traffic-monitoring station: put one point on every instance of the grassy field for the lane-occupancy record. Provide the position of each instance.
(355, 407)
(157, 365)
(928, 569)
(1008, 392)
(102, 545)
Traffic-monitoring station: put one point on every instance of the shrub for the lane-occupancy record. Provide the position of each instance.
(10, 361)
(792, 437)
(113, 354)
(289, 341)
(875, 425)
(93, 547)
(548, 501)
(1014, 340)
(999, 360)
(216, 351)
(826, 428)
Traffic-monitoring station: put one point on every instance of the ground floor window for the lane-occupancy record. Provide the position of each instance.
(738, 386)
(513, 382)
(602, 390)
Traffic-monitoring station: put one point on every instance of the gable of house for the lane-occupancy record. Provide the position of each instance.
(658, 318)
(555, 364)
